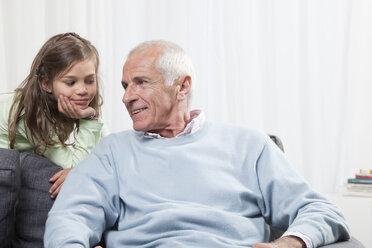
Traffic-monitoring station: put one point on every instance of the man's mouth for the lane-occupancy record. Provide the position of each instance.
(137, 111)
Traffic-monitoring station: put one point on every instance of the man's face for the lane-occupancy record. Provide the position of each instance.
(150, 103)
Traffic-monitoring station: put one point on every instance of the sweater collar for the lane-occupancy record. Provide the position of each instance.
(197, 121)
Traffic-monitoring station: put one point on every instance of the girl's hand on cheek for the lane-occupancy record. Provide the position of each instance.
(71, 110)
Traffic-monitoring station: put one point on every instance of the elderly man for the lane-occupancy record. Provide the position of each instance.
(180, 181)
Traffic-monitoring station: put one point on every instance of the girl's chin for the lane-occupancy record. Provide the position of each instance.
(82, 106)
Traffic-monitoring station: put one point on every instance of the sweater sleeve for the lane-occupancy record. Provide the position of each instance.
(91, 195)
(90, 132)
(289, 203)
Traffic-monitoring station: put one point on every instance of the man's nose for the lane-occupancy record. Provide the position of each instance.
(129, 94)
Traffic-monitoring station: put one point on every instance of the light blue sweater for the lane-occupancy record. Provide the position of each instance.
(214, 188)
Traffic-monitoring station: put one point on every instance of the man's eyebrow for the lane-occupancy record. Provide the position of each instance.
(137, 78)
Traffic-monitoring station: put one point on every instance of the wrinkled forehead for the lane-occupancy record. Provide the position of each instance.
(138, 64)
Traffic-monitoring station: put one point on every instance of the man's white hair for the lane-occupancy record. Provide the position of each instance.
(172, 63)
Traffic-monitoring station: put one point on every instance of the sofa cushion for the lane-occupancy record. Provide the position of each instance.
(34, 200)
(9, 188)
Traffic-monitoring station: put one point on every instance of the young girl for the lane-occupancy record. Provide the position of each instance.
(55, 111)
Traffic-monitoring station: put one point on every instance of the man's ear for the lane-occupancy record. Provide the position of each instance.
(183, 88)
(46, 86)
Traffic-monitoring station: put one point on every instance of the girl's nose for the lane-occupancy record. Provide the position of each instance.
(82, 89)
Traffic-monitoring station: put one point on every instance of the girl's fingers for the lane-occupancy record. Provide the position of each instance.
(60, 107)
(63, 106)
(79, 112)
(71, 110)
(75, 108)
(55, 176)
(56, 187)
(55, 193)
(66, 108)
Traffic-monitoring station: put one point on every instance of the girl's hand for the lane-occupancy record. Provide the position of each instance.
(58, 180)
(73, 111)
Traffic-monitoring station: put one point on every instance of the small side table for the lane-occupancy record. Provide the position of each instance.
(358, 213)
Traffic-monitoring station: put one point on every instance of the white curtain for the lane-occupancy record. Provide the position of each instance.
(297, 69)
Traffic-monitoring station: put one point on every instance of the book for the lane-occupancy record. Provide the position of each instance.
(356, 193)
(357, 189)
(361, 181)
(363, 176)
(358, 186)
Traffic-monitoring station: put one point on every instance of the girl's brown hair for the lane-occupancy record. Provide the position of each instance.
(45, 126)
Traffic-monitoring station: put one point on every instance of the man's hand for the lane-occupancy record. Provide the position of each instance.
(58, 180)
(283, 242)
(73, 111)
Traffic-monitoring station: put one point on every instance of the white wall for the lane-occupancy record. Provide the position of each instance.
(298, 69)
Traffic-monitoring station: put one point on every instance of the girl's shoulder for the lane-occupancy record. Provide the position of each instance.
(6, 97)
(6, 101)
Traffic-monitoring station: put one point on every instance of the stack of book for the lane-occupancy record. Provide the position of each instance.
(361, 185)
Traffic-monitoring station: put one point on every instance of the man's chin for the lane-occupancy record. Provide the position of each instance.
(140, 128)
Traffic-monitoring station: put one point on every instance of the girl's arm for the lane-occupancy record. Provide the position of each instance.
(90, 132)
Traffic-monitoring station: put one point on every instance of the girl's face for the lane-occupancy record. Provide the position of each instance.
(79, 84)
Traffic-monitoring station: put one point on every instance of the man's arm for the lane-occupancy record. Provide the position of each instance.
(290, 204)
(87, 205)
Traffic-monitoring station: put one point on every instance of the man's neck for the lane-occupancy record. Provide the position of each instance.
(177, 128)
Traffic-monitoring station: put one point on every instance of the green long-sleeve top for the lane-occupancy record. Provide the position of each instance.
(90, 132)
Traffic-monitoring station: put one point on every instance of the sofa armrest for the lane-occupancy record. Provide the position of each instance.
(34, 200)
(9, 189)
(351, 243)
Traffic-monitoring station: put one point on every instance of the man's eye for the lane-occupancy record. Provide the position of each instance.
(125, 85)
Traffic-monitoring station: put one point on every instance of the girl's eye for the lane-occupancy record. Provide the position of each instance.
(70, 83)
(90, 81)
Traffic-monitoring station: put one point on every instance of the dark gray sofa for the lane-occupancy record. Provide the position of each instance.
(25, 201)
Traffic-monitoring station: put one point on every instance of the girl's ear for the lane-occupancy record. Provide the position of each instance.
(184, 87)
(46, 86)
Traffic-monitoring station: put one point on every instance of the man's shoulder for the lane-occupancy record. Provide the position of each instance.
(119, 136)
(237, 129)
(238, 134)
(116, 139)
